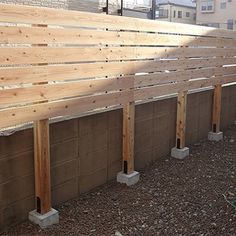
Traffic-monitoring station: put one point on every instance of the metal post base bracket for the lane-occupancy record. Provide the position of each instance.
(180, 153)
(45, 220)
(128, 179)
(215, 136)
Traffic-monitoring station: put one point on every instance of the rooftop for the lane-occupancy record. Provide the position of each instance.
(187, 3)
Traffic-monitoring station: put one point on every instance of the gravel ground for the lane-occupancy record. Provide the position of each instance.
(189, 197)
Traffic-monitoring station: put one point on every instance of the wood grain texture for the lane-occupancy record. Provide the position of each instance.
(78, 36)
(181, 119)
(19, 56)
(36, 74)
(19, 115)
(42, 166)
(38, 15)
(128, 137)
(216, 108)
(85, 61)
(44, 92)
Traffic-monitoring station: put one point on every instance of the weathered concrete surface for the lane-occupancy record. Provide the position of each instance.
(86, 152)
(45, 220)
(180, 153)
(215, 136)
(128, 179)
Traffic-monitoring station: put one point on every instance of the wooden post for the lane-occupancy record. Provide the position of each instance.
(216, 108)
(42, 166)
(44, 215)
(42, 158)
(180, 151)
(128, 138)
(215, 134)
(181, 119)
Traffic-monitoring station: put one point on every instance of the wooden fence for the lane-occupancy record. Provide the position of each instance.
(56, 63)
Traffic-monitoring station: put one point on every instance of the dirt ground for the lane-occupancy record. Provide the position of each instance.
(173, 197)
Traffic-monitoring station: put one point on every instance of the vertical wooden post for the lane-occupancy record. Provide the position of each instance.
(180, 151)
(216, 108)
(44, 215)
(42, 158)
(128, 138)
(128, 176)
(181, 119)
(42, 166)
(215, 134)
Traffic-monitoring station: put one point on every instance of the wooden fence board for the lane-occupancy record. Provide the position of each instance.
(36, 35)
(165, 89)
(92, 61)
(44, 92)
(37, 15)
(79, 105)
(22, 75)
(19, 56)
(19, 115)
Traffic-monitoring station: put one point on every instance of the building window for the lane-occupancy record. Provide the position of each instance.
(223, 4)
(162, 13)
(187, 14)
(194, 16)
(230, 24)
(179, 14)
(207, 5)
(215, 25)
(174, 14)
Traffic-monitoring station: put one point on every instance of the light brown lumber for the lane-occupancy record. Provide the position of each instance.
(42, 92)
(128, 137)
(216, 104)
(165, 89)
(181, 119)
(36, 74)
(46, 92)
(42, 158)
(18, 56)
(19, 115)
(13, 116)
(42, 166)
(38, 15)
(36, 35)
(216, 112)
(178, 76)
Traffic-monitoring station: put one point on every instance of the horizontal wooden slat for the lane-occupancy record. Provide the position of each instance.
(43, 35)
(19, 115)
(35, 74)
(10, 97)
(15, 56)
(36, 15)
(154, 91)
(11, 117)
(177, 76)
(58, 91)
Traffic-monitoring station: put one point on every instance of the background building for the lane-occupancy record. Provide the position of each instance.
(182, 11)
(217, 13)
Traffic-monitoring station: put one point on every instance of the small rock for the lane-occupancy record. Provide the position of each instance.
(117, 233)
(213, 224)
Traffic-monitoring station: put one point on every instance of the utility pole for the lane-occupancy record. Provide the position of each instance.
(106, 8)
(120, 11)
(154, 4)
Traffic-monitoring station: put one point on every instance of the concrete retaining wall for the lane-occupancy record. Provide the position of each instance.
(86, 152)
